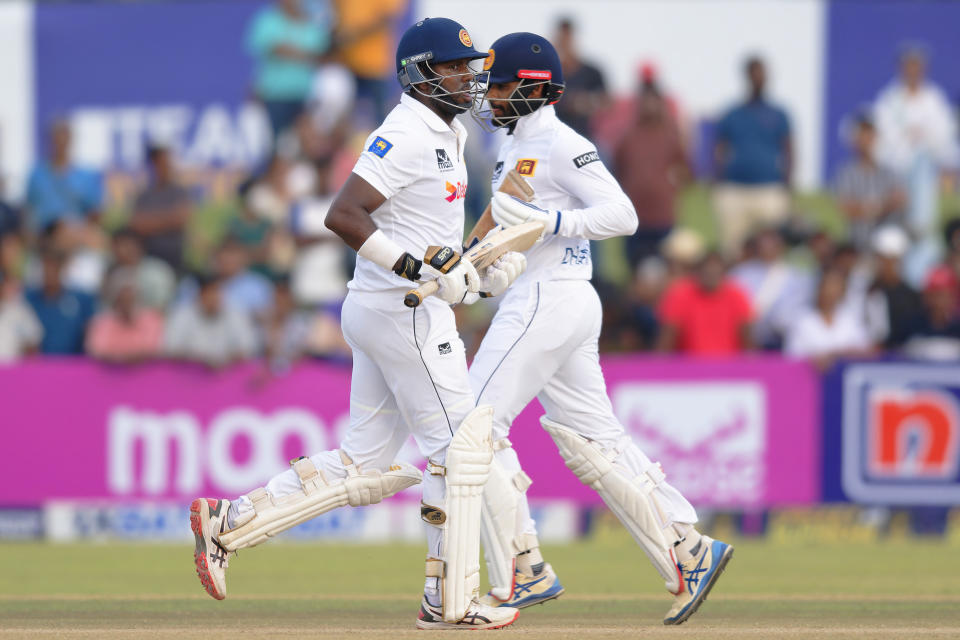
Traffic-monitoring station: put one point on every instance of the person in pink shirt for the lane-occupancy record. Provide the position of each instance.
(126, 333)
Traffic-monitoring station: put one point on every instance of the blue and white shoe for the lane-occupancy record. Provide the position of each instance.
(529, 590)
(699, 574)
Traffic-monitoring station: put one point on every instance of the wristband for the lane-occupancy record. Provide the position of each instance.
(381, 250)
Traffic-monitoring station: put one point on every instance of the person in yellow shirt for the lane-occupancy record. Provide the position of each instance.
(365, 38)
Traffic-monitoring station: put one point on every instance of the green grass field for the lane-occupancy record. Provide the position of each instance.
(863, 590)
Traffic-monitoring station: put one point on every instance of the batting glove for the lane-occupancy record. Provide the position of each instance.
(501, 274)
(457, 276)
(510, 211)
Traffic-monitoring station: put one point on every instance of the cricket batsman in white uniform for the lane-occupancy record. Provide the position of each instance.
(543, 343)
(405, 194)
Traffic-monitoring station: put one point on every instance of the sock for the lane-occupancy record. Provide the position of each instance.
(431, 592)
(688, 546)
(530, 562)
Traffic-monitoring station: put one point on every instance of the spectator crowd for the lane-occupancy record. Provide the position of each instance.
(125, 289)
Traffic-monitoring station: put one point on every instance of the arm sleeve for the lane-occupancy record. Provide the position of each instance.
(262, 35)
(390, 161)
(607, 212)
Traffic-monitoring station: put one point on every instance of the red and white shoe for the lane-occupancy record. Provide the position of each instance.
(479, 616)
(208, 518)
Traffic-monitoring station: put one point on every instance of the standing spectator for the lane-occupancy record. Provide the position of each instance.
(705, 314)
(9, 216)
(63, 312)
(126, 333)
(830, 330)
(365, 39)
(650, 165)
(162, 211)
(869, 195)
(59, 191)
(777, 289)
(287, 43)
(937, 334)
(893, 307)
(154, 280)
(754, 163)
(585, 92)
(20, 331)
(209, 331)
(918, 139)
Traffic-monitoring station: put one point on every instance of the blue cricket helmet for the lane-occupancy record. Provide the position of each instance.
(432, 40)
(526, 56)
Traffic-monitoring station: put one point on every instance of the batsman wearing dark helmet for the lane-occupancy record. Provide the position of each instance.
(402, 210)
(543, 343)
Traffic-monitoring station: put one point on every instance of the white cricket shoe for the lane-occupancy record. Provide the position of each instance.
(479, 616)
(529, 590)
(699, 575)
(208, 518)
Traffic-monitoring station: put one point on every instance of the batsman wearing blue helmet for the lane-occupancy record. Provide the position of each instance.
(543, 343)
(404, 199)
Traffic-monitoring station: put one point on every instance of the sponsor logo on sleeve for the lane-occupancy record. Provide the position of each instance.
(497, 172)
(586, 158)
(443, 160)
(526, 166)
(379, 146)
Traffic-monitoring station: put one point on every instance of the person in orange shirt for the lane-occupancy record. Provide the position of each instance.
(706, 313)
(365, 39)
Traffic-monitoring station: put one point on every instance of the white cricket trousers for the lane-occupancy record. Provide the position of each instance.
(543, 343)
(409, 376)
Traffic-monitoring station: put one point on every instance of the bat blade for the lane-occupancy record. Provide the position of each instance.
(514, 185)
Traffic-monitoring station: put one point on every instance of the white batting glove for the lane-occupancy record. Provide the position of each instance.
(458, 282)
(510, 211)
(502, 273)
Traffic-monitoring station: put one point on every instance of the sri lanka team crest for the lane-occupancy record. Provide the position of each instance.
(526, 167)
(901, 433)
(465, 38)
(379, 146)
(456, 191)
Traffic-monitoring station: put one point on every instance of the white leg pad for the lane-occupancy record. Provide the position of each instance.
(629, 496)
(272, 516)
(500, 526)
(467, 468)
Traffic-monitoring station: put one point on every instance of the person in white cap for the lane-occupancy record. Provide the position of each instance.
(893, 306)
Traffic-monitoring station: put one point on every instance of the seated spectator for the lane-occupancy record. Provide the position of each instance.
(243, 289)
(706, 313)
(640, 325)
(84, 251)
(830, 330)
(162, 210)
(127, 332)
(893, 307)
(154, 279)
(937, 334)
(869, 195)
(58, 191)
(63, 312)
(286, 331)
(252, 232)
(20, 331)
(777, 289)
(208, 331)
(651, 165)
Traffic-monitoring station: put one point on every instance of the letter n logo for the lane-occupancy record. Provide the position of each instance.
(912, 434)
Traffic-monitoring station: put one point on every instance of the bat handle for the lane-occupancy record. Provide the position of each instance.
(416, 296)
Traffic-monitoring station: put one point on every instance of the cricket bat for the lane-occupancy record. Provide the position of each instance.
(483, 254)
(514, 185)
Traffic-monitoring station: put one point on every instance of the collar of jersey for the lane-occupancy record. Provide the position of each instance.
(433, 120)
(542, 119)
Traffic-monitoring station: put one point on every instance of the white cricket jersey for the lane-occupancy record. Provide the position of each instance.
(566, 174)
(415, 160)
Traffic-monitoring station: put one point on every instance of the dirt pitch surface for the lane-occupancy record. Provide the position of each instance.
(863, 590)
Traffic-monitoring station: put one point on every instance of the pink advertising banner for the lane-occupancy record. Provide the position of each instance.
(739, 433)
